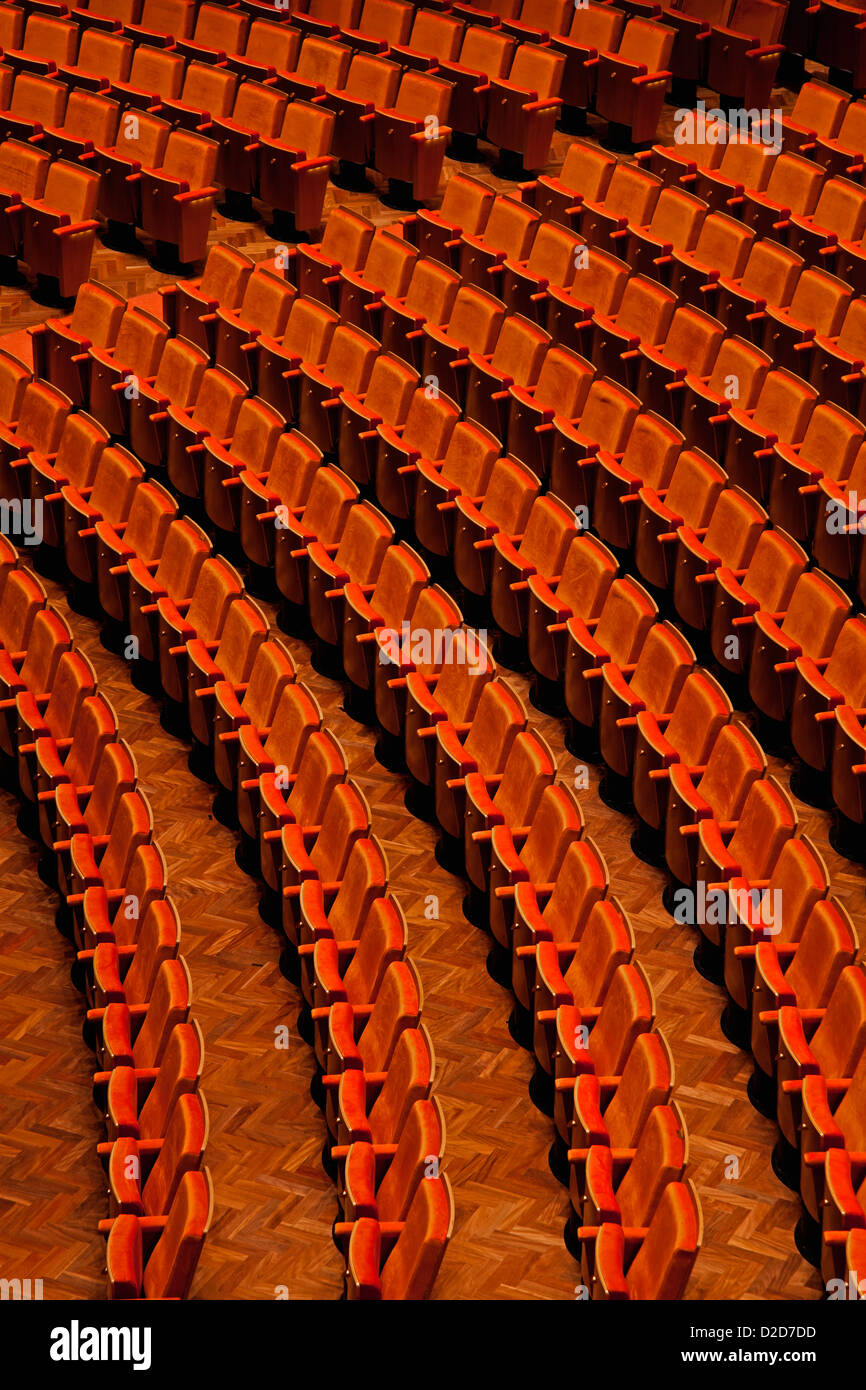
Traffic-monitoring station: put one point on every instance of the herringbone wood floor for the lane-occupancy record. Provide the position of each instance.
(274, 1204)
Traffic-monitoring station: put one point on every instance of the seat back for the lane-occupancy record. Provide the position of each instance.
(181, 369)
(701, 708)
(476, 319)
(737, 359)
(71, 190)
(736, 761)
(308, 129)
(625, 620)
(259, 108)
(646, 44)
(587, 574)
(209, 89)
(646, 310)
(244, 631)
(608, 415)
(412, 1266)
(815, 615)
(774, 570)
(520, 350)
(666, 658)
(487, 51)
(218, 402)
(839, 1039)
(105, 55)
(23, 169)
(511, 227)
(38, 99)
(439, 35)
(190, 159)
(272, 45)
(42, 417)
(498, 720)
(186, 549)
(587, 169)
(389, 263)
(14, 379)
(309, 330)
(347, 238)
(842, 208)
(421, 97)
(666, 1257)
(221, 29)
(735, 525)
(723, 244)
(217, 586)
(632, 194)
(170, 1269)
(364, 544)
(467, 202)
(820, 301)
(646, 1081)
(150, 514)
(539, 70)
(157, 72)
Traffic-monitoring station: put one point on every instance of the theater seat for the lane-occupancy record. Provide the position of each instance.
(658, 1159)
(828, 1042)
(586, 170)
(809, 628)
(410, 1269)
(486, 56)
(523, 108)
(323, 855)
(217, 586)
(688, 501)
(254, 704)
(827, 451)
(282, 742)
(483, 747)
(557, 912)
(191, 305)
(177, 198)
(465, 208)
(141, 535)
(186, 548)
(357, 562)
(138, 1104)
(213, 412)
(410, 137)
(717, 789)
(728, 541)
(666, 1250)
(60, 345)
(800, 875)
(632, 81)
(587, 573)
(58, 229)
(294, 164)
(177, 383)
(168, 1271)
(140, 143)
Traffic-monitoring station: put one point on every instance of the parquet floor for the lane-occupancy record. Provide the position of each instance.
(274, 1203)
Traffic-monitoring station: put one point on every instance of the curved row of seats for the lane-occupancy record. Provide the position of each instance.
(191, 621)
(640, 478)
(649, 494)
(334, 558)
(357, 592)
(78, 779)
(682, 663)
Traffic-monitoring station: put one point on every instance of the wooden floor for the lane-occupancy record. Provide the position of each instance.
(274, 1203)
